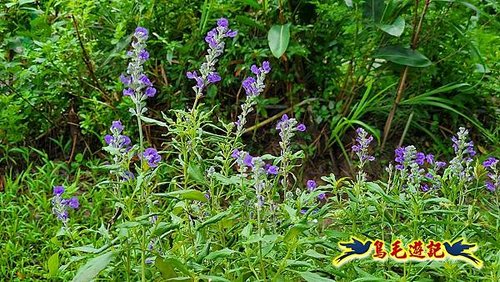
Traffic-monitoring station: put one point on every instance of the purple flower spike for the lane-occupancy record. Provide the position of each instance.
(311, 185)
(301, 127)
(222, 22)
(141, 33)
(58, 190)
(272, 170)
(152, 156)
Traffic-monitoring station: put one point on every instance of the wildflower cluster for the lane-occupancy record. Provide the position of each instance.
(363, 141)
(409, 163)
(253, 87)
(493, 182)
(139, 87)
(60, 206)
(208, 73)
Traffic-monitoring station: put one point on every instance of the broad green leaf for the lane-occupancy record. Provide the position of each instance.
(220, 254)
(395, 29)
(278, 39)
(214, 219)
(166, 269)
(195, 172)
(313, 277)
(90, 270)
(53, 264)
(189, 194)
(403, 56)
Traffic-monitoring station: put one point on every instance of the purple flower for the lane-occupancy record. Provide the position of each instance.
(266, 67)
(272, 169)
(322, 196)
(125, 79)
(58, 190)
(152, 156)
(400, 153)
(231, 33)
(490, 162)
(425, 188)
(420, 158)
(128, 92)
(150, 91)
(311, 185)
(301, 127)
(141, 33)
(145, 80)
(143, 55)
(248, 160)
(213, 77)
(117, 126)
(255, 70)
(222, 22)
(73, 203)
(440, 164)
(235, 154)
(429, 158)
(128, 175)
(124, 140)
(108, 139)
(249, 86)
(490, 186)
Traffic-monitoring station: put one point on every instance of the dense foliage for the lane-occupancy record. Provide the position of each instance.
(179, 189)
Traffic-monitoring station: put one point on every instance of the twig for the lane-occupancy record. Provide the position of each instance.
(86, 58)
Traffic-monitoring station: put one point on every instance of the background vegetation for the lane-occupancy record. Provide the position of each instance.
(409, 72)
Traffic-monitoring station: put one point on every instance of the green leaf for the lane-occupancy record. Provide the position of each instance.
(313, 277)
(195, 172)
(294, 232)
(53, 264)
(214, 219)
(154, 121)
(220, 254)
(166, 269)
(403, 56)
(395, 29)
(278, 39)
(90, 270)
(312, 253)
(189, 194)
